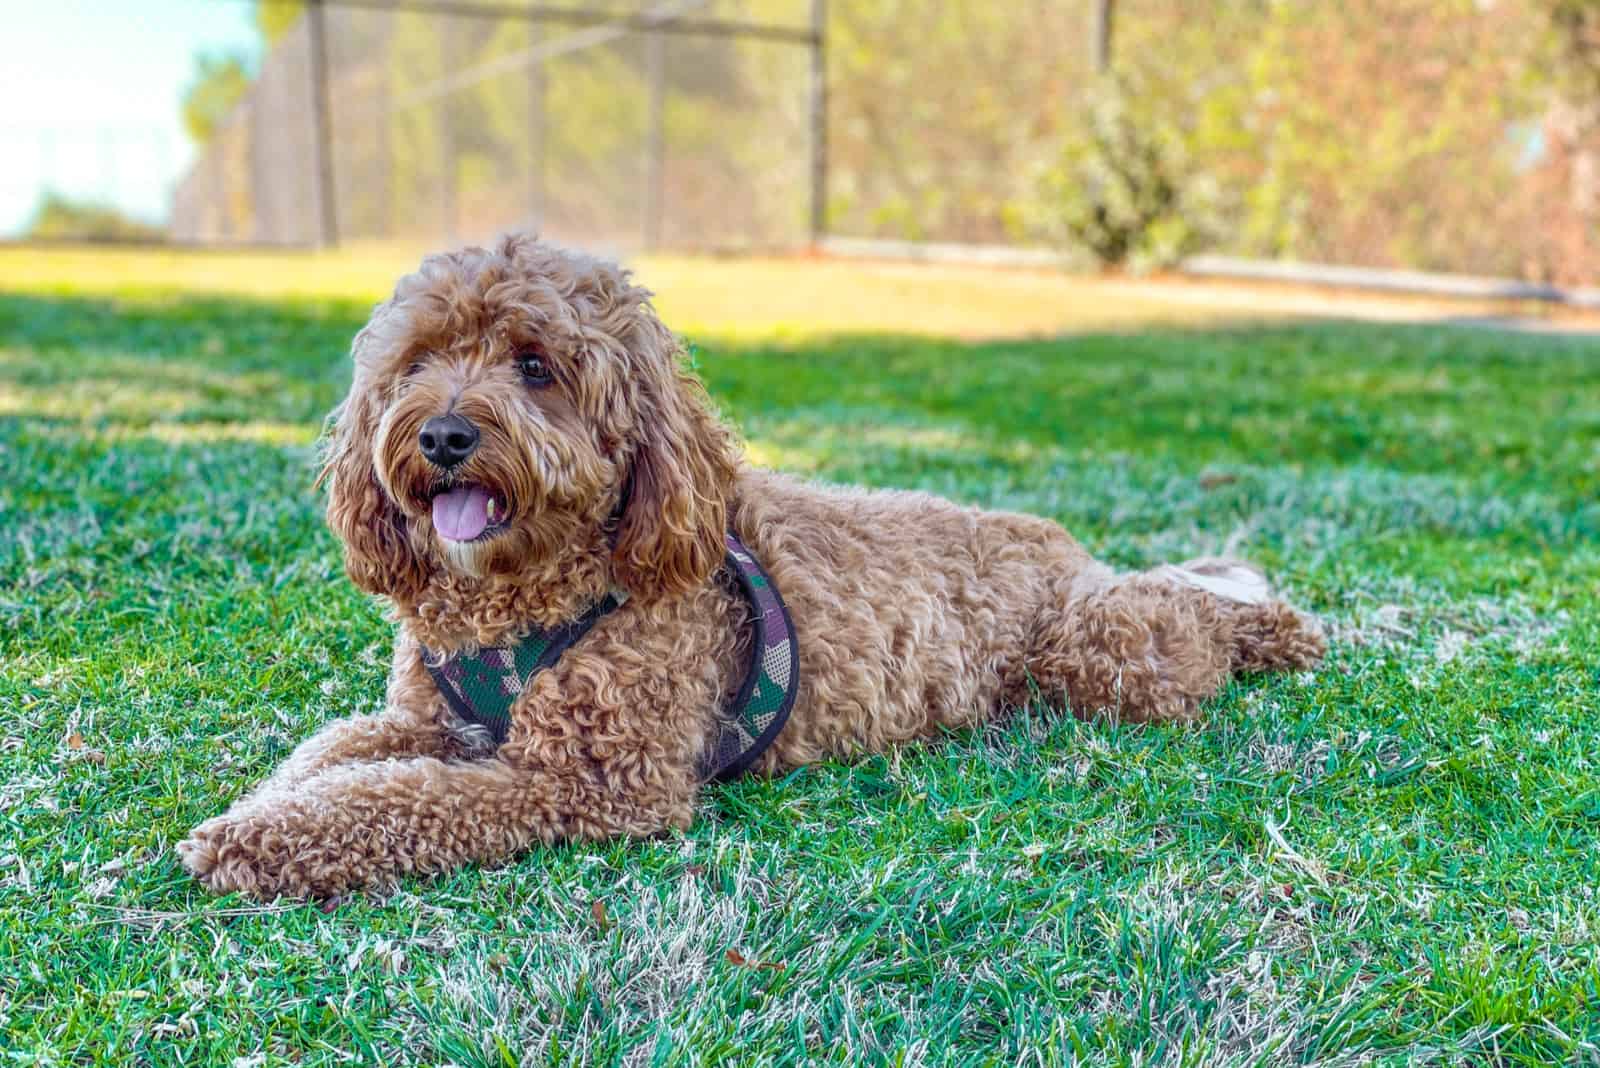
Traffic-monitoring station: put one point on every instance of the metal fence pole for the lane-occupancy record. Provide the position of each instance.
(536, 136)
(1104, 12)
(819, 121)
(321, 108)
(449, 165)
(655, 139)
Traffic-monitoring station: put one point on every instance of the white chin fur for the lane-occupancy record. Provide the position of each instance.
(464, 556)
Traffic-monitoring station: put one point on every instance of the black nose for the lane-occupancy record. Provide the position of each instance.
(447, 440)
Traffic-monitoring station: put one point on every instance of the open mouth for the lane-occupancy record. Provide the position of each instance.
(469, 513)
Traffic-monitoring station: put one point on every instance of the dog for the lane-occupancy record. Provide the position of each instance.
(521, 441)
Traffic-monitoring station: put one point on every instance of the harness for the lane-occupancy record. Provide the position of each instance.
(482, 687)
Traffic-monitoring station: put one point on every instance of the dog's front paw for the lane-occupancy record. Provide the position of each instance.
(218, 854)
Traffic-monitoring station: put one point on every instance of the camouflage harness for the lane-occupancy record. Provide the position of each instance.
(481, 688)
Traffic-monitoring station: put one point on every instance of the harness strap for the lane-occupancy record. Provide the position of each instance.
(481, 687)
(762, 706)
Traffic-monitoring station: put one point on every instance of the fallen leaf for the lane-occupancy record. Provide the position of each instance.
(601, 920)
(740, 960)
(1213, 479)
(74, 740)
(695, 870)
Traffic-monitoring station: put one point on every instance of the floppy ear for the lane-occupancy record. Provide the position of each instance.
(377, 553)
(670, 538)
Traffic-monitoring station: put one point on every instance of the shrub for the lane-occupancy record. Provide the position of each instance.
(61, 218)
(1125, 186)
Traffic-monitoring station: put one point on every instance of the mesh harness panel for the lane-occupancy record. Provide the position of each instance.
(482, 687)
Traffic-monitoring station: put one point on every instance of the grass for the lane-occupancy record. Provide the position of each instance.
(1391, 859)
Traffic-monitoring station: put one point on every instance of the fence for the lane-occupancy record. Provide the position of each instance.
(690, 123)
(1441, 135)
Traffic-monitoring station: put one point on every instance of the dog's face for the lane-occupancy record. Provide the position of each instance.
(510, 405)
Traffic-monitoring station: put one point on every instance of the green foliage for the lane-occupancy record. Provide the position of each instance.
(60, 217)
(1392, 859)
(1378, 132)
(1346, 133)
(274, 18)
(1375, 142)
(219, 83)
(1126, 186)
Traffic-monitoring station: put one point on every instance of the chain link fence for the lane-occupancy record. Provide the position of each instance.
(689, 123)
(1438, 135)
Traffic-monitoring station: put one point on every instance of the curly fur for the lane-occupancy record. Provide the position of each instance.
(913, 614)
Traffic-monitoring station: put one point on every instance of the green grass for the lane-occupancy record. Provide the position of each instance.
(1393, 858)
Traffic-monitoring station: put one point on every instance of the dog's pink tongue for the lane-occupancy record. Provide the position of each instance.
(461, 514)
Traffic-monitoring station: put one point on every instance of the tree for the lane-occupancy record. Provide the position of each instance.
(61, 218)
(274, 18)
(220, 82)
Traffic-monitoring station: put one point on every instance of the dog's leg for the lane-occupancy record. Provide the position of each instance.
(1275, 637)
(412, 725)
(1153, 646)
(396, 733)
(1267, 635)
(1140, 647)
(358, 825)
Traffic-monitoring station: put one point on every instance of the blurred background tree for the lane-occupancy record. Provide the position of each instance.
(220, 82)
(60, 217)
(275, 19)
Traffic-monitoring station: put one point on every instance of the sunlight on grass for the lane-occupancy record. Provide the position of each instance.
(288, 434)
(787, 298)
(356, 273)
(94, 400)
(780, 299)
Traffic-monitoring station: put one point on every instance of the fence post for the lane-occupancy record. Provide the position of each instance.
(1100, 34)
(449, 166)
(819, 122)
(655, 138)
(321, 107)
(536, 134)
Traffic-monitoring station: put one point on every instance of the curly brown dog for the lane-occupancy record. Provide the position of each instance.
(600, 465)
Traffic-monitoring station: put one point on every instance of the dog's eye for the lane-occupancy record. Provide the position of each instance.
(414, 370)
(534, 370)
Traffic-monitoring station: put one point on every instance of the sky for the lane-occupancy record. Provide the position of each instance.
(89, 95)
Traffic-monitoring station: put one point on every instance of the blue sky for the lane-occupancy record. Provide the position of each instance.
(89, 93)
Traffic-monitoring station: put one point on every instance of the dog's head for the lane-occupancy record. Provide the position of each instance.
(509, 405)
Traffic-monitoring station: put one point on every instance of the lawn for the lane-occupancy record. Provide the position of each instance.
(1393, 858)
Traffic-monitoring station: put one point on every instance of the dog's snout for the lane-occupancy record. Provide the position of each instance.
(447, 440)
